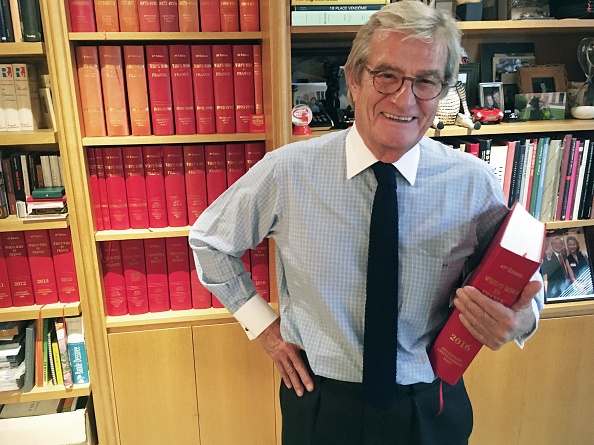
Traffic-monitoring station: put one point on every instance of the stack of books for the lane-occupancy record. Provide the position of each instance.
(333, 12)
(47, 201)
(12, 354)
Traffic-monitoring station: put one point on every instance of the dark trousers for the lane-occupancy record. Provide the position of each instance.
(334, 414)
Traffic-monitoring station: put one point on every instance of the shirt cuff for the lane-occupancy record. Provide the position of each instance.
(522, 338)
(255, 316)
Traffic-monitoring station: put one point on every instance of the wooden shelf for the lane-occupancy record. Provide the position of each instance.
(164, 36)
(569, 309)
(570, 223)
(14, 224)
(165, 232)
(49, 392)
(19, 49)
(174, 139)
(40, 137)
(190, 316)
(32, 312)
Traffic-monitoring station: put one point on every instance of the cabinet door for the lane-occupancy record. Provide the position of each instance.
(235, 383)
(153, 379)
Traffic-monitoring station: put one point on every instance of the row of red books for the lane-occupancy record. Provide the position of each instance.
(170, 89)
(164, 15)
(159, 274)
(162, 186)
(37, 267)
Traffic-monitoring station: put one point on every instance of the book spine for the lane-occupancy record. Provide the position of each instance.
(56, 361)
(156, 274)
(315, 18)
(541, 178)
(79, 364)
(113, 278)
(29, 380)
(34, 96)
(579, 149)
(43, 276)
(259, 269)
(115, 184)
(222, 69)
(8, 182)
(82, 16)
(586, 198)
(580, 185)
(566, 178)
(175, 187)
(136, 187)
(567, 144)
(17, 265)
(254, 151)
(91, 99)
(258, 82)
(56, 170)
(23, 97)
(16, 20)
(114, 93)
(159, 83)
(40, 327)
(181, 82)
(178, 273)
(229, 11)
(235, 162)
(26, 176)
(216, 172)
(9, 99)
(128, 15)
(63, 256)
(210, 15)
(17, 177)
(30, 20)
(341, 7)
(243, 85)
(135, 276)
(148, 16)
(249, 15)
(203, 88)
(102, 188)
(168, 15)
(137, 89)
(94, 186)
(155, 185)
(63, 350)
(189, 20)
(106, 15)
(4, 206)
(201, 297)
(195, 179)
(5, 294)
(52, 375)
(5, 25)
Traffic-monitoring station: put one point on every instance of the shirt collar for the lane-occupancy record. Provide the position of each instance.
(359, 157)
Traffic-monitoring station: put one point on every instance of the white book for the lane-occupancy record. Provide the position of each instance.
(9, 99)
(498, 160)
(34, 95)
(551, 182)
(2, 119)
(46, 169)
(47, 108)
(26, 178)
(23, 96)
(55, 171)
(526, 176)
(580, 179)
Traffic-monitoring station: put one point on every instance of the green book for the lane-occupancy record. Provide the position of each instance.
(48, 192)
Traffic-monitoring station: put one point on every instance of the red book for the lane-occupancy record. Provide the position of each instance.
(210, 15)
(189, 20)
(106, 15)
(94, 188)
(216, 171)
(159, 83)
(114, 92)
(222, 70)
(156, 274)
(178, 273)
(135, 276)
(258, 85)
(136, 187)
(39, 251)
(82, 16)
(513, 256)
(155, 185)
(229, 10)
(5, 295)
(128, 12)
(260, 275)
(243, 85)
(509, 164)
(203, 88)
(169, 21)
(137, 89)
(201, 297)
(249, 15)
(113, 278)
(181, 83)
(102, 188)
(175, 187)
(472, 148)
(254, 151)
(148, 16)
(17, 264)
(115, 182)
(195, 178)
(235, 160)
(89, 83)
(63, 255)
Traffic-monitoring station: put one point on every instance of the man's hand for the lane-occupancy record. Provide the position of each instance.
(492, 323)
(286, 358)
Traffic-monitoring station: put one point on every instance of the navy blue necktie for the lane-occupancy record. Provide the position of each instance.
(381, 307)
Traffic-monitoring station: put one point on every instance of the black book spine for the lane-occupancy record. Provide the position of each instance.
(586, 198)
(17, 177)
(7, 19)
(571, 160)
(30, 20)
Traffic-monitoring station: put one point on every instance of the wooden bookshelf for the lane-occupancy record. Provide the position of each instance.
(14, 224)
(35, 311)
(569, 309)
(174, 139)
(22, 49)
(37, 137)
(163, 36)
(165, 232)
(49, 392)
(170, 318)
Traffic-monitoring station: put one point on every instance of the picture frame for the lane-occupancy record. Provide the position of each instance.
(468, 74)
(529, 9)
(540, 78)
(491, 95)
(541, 106)
(505, 66)
(488, 50)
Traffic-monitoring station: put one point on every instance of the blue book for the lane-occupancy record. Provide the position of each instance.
(79, 362)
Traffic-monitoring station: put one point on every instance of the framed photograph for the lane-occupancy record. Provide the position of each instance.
(566, 267)
(309, 94)
(488, 50)
(468, 74)
(529, 9)
(541, 106)
(491, 95)
(505, 66)
(541, 78)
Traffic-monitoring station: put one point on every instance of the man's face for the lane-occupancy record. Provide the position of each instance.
(392, 124)
(557, 245)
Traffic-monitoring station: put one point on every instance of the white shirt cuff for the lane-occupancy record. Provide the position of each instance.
(255, 316)
(520, 340)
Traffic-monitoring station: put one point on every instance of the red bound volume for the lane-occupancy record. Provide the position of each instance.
(89, 82)
(195, 178)
(175, 186)
(159, 82)
(114, 92)
(203, 88)
(137, 89)
(106, 15)
(201, 298)
(249, 15)
(39, 251)
(5, 294)
(189, 20)
(82, 16)
(113, 278)
(235, 161)
(102, 188)
(216, 172)
(178, 273)
(254, 151)
(113, 162)
(169, 21)
(136, 187)
(63, 255)
(17, 264)
(243, 85)
(148, 16)
(210, 15)
(229, 10)
(181, 84)
(513, 256)
(156, 274)
(128, 11)
(135, 276)
(94, 187)
(222, 69)
(260, 276)
(155, 185)
(258, 85)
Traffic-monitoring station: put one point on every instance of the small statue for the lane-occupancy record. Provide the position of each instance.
(448, 110)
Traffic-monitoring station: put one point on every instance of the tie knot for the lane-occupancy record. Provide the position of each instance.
(384, 173)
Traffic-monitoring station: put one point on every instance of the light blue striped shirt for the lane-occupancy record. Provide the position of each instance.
(317, 208)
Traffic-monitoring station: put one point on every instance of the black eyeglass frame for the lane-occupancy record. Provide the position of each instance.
(374, 74)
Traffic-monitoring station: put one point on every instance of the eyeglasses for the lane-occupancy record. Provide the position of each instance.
(389, 82)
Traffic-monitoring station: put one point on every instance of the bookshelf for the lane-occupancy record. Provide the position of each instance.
(49, 392)
(43, 311)
(173, 139)
(22, 49)
(13, 224)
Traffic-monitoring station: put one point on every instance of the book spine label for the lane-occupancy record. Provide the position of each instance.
(94, 186)
(156, 274)
(155, 185)
(181, 83)
(39, 251)
(102, 188)
(148, 16)
(189, 20)
(254, 151)
(17, 264)
(63, 256)
(258, 85)
(135, 276)
(114, 93)
(235, 161)
(216, 172)
(5, 294)
(249, 15)
(243, 84)
(203, 88)
(210, 15)
(79, 362)
(222, 69)
(136, 187)
(106, 15)
(259, 265)
(128, 15)
(178, 271)
(89, 81)
(23, 97)
(201, 298)
(115, 184)
(195, 179)
(9, 99)
(168, 15)
(113, 278)
(82, 16)
(175, 187)
(229, 11)
(137, 89)
(159, 83)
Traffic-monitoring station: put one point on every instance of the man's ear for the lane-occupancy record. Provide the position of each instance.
(353, 86)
